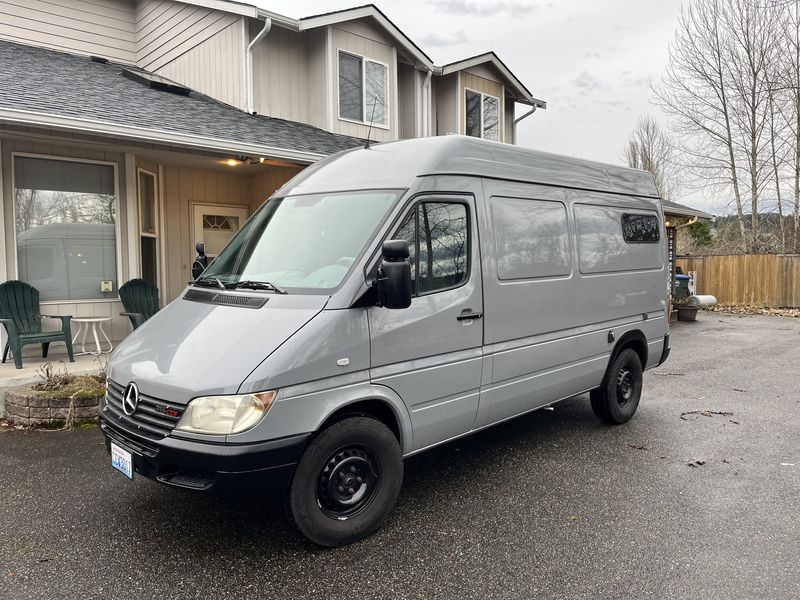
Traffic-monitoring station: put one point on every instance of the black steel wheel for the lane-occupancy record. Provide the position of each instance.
(617, 399)
(346, 482)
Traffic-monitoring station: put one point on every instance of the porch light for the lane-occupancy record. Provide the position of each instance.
(231, 162)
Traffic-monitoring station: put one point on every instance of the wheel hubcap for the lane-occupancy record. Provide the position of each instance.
(625, 386)
(347, 482)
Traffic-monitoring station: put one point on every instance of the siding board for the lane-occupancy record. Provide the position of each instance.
(104, 27)
(213, 67)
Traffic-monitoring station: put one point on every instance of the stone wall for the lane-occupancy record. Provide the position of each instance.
(29, 408)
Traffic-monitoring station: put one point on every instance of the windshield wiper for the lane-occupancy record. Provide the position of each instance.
(208, 281)
(257, 285)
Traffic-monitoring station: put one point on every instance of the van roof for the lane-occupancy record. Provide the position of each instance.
(396, 164)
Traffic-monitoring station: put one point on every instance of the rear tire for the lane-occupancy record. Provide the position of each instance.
(346, 482)
(616, 401)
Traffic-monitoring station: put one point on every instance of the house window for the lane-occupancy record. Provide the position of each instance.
(438, 244)
(65, 223)
(148, 225)
(482, 115)
(363, 90)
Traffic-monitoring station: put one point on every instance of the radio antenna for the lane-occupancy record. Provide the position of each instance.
(371, 119)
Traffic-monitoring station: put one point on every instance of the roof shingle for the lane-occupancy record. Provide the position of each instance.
(55, 83)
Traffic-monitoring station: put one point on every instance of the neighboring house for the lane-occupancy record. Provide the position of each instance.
(130, 129)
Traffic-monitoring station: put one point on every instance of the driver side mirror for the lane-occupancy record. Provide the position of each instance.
(394, 275)
(201, 262)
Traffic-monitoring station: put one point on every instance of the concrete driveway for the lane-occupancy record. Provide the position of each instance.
(551, 505)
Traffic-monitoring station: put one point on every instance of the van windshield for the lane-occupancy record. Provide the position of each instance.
(305, 243)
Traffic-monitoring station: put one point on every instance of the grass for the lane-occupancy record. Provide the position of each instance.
(62, 384)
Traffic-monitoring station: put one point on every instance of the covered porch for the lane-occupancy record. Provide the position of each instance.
(81, 217)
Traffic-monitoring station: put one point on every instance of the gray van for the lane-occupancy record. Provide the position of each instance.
(387, 300)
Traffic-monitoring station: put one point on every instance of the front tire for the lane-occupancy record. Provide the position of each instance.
(346, 482)
(616, 401)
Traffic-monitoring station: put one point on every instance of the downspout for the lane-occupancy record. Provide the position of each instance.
(518, 119)
(427, 109)
(249, 64)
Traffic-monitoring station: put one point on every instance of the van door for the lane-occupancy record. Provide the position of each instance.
(430, 353)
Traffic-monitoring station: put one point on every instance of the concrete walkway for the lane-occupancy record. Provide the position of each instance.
(11, 377)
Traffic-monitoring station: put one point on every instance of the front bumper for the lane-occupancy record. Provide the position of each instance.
(266, 466)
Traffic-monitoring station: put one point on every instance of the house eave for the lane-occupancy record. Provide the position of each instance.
(156, 136)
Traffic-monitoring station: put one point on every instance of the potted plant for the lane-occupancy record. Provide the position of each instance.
(686, 311)
(60, 400)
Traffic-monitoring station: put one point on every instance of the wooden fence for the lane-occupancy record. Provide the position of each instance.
(764, 280)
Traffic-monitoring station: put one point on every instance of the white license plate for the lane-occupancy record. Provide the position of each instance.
(122, 460)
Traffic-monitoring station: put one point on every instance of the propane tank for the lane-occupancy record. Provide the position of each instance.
(701, 301)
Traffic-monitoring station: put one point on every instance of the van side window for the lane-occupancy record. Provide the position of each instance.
(602, 244)
(531, 238)
(640, 228)
(438, 238)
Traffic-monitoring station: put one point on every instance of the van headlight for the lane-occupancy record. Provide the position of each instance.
(222, 415)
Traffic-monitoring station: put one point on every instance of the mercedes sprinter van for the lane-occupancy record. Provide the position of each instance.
(386, 300)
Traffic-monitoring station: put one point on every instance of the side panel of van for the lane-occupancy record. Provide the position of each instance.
(429, 354)
(558, 276)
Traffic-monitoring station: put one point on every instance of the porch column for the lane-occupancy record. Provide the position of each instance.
(131, 217)
(3, 224)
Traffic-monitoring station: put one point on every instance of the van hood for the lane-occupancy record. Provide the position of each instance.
(194, 348)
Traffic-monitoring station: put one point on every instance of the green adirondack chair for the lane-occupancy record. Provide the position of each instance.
(19, 314)
(140, 300)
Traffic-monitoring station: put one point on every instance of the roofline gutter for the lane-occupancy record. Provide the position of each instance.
(248, 68)
(171, 138)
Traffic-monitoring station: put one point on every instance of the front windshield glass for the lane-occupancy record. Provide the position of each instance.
(302, 242)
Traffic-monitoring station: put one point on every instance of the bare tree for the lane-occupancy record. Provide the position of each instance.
(651, 149)
(717, 89)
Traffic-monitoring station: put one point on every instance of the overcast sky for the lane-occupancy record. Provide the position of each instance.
(591, 61)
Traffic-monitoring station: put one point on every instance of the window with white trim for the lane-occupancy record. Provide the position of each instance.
(482, 114)
(66, 213)
(148, 225)
(363, 90)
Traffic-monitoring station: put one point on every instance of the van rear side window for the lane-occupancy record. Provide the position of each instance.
(602, 246)
(642, 229)
(531, 238)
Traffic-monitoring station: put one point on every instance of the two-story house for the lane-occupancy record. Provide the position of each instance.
(130, 129)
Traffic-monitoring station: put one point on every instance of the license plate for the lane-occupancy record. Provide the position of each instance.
(122, 460)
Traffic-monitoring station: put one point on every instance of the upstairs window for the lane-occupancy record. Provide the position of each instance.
(363, 90)
(482, 115)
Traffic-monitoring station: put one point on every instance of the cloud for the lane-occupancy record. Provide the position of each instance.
(485, 8)
(587, 83)
(438, 40)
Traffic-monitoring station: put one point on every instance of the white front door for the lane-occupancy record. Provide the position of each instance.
(215, 225)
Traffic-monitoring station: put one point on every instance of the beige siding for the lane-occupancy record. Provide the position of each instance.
(100, 308)
(446, 104)
(267, 183)
(343, 38)
(281, 78)
(99, 27)
(182, 186)
(508, 130)
(485, 71)
(480, 84)
(166, 29)
(319, 99)
(214, 67)
(406, 100)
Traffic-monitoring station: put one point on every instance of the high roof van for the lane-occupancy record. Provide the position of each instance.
(387, 300)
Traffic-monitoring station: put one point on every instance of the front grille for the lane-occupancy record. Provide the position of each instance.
(150, 418)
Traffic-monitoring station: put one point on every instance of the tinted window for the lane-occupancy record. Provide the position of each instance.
(602, 247)
(531, 238)
(640, 228)
(351, 90)
(439, 254)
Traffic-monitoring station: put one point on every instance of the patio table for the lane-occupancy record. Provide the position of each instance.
(93, 323)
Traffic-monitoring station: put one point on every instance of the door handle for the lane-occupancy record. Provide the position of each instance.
(467, 315)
